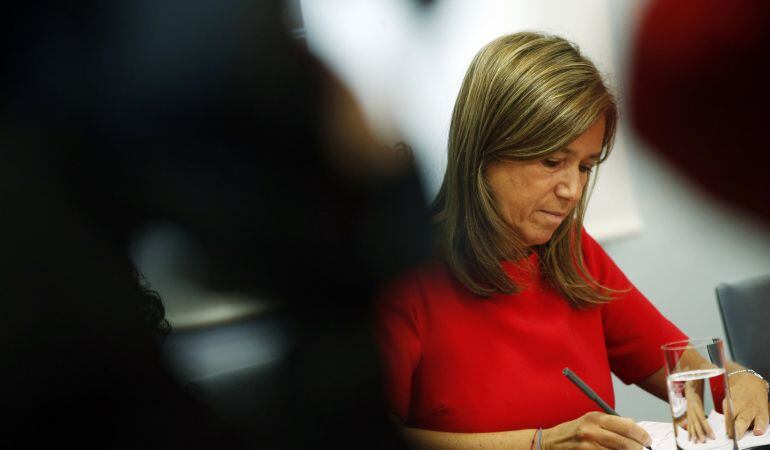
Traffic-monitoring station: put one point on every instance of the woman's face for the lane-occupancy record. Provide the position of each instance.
(534, 197)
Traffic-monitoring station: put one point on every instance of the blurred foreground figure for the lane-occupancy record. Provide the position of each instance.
(204, 116)
(700, 93)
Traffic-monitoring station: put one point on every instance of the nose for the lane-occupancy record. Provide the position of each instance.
(570, 186)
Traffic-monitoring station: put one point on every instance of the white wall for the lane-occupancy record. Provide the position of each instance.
(407, 70)
(690, 242)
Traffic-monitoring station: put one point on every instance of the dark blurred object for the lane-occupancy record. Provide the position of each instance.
(699, 93)
(79, 337)
(233, 367)
(203, 115)
(745, 310)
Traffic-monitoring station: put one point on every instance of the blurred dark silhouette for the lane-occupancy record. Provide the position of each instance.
(700, 94)
(204, 115)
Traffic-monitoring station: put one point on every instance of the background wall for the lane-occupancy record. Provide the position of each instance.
(406, 66)
(690, 242)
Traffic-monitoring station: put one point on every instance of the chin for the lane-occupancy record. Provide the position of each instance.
(531, 242)
(533, 239)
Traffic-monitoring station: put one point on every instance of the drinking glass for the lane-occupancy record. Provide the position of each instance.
(698, 394)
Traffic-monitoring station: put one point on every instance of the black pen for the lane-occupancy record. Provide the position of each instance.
(590, 393)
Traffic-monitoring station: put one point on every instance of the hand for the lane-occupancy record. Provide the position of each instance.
(698, 427)
(596, 430)
(749, 397)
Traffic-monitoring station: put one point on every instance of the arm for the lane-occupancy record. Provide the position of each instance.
(593, 430)
(655, 384)
(427, 439)
(749, 396)
(696, 423)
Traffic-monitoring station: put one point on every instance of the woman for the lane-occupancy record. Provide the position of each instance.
(474, 345)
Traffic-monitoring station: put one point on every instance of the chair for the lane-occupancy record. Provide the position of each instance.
(745, 310)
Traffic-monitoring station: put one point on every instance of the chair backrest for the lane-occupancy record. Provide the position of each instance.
(745, 310)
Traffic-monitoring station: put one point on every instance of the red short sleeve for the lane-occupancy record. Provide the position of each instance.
(398, 335)
(634, 329)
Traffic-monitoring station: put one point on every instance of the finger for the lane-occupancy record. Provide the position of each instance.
(609, 439)
(588, 432)
(595, 441)
(705, 428)
(625, 427)
(695, 429)
(760, 424)
(742, 422)
(693, 424)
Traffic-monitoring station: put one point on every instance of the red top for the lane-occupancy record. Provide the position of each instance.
(458, 362)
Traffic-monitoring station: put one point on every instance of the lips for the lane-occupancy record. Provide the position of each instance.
(557, 214)
(554, 218)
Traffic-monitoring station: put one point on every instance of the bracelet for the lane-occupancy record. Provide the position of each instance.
(767, 386)
(539, 439)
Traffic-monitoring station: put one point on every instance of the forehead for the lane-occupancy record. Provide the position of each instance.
(589, 144)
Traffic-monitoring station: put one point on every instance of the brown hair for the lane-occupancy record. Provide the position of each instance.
(524, 97)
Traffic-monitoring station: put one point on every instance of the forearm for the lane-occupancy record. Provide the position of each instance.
(441, 440)
(656, 384)
(731, 367)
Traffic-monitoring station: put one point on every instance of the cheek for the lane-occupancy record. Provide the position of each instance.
(509, 209)
(521, 210)
(582, 191)
(527, 206)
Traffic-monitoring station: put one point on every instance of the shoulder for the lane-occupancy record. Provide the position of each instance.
(422, 288)
(416, 282)
(400, 307)
(594, 256)
(591, 249)
(600, 265)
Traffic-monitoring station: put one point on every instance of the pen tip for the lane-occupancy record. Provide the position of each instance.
(565, 371)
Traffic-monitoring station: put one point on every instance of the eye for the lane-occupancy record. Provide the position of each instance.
(586, 169)
(552, 163)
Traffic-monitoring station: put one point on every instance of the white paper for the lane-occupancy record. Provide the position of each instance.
(662, 435)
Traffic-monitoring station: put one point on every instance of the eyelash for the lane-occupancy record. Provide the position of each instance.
(554, 163)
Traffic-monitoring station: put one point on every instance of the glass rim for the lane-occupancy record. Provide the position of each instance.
(690, 343)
